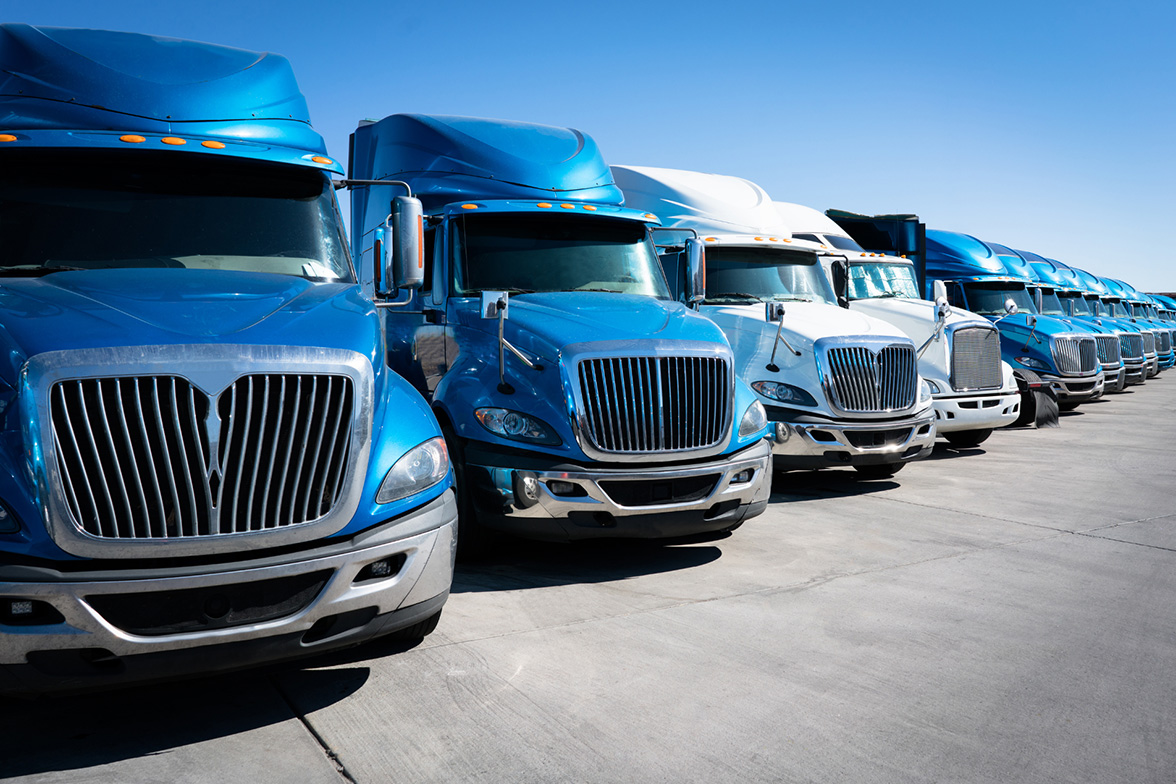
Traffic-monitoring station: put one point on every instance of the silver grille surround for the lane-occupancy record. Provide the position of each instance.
(635, 402)
(1164, 342)
(1075, 355)
(164, 512)
(1109, 352)
(975, 359)
(864, 375)
(1149, 342)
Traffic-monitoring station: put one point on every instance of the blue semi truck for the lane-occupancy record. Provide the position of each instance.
(1047, 288)
(1104, 303)
(206, 461)
(578, 399)
(1039, 348)
(1144, 312)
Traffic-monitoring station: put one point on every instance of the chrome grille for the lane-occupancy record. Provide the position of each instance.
(1108, 349)
(1149, 342)
(862, 380)
(655, 404)
(1075, 355)
(975, 359)
(1164, 342)
(1131, 345)
(154, 458)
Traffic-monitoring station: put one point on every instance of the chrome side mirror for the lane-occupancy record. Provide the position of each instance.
(1010, 306)
(695, 271)
(405, 263)
(774, 311)
(839, 273)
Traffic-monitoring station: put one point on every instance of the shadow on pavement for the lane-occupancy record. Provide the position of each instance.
(827, 483)
(514, 563)
(71, 733)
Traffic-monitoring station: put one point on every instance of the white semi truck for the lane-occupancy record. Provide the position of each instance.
(841, 388)
(974, 391)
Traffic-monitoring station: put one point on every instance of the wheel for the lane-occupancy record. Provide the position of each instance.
(968, 438)
(1069, 405)
(418, 631)
(472, 538)
(879, 470)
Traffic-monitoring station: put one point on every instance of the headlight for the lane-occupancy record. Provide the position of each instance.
(516, 426)
(785, 393)
(924, 391)
(755, 419)
(1030, 362)
(420, 469)
(934, 387)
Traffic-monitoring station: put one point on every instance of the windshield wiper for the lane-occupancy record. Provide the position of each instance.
(33, 271)
(790, 298)
(507, 290)
(610, 291)
(739, 294)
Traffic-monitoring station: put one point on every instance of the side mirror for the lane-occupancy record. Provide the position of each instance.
(939, 291)
(839, 272)
(495, 304)
(1037, 299)
(695, 271)
(774, 311)
(406, 262)
(1031, 320)
(1010, 306)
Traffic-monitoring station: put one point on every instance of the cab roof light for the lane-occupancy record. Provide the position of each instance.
(132, 138)
(7, 137)
(322, 160)
(175, 141)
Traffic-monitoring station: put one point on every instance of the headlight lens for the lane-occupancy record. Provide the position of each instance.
(1030, 362)
(755, 419)
(420, 469)
(924, 391)
(934, 387)
(516, 426)
(785, 393)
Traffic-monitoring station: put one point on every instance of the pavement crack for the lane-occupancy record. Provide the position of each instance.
(328, 752)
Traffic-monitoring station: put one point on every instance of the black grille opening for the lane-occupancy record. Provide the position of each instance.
(650, 492)
(877, 438)
(212, 607)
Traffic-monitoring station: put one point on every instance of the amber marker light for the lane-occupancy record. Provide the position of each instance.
(322, 160)
(544, 204)
(568, 206)
(7, 137)
(650, 216)
(131, 138)
(469, 206)
(590, 208)
(213, 145)
(712, 239)
(173, 140)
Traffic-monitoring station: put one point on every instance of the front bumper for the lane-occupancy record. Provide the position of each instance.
(570, 502)
(807, 442)
(1136, 371)
(85, 647)
(976, 412)
(1076, 390)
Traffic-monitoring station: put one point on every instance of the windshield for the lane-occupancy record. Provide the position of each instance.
(525, 253)
(1072, 299)
(843, 243)
(1051, 305)
(1097, 306)
(1118, 309)
(989, 300)
(86, 209)
(762, 274)
(882, 280)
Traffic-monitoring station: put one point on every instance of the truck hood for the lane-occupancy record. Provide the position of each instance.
(804, 322)
(104, 308)
(916, 317)
(544, 323)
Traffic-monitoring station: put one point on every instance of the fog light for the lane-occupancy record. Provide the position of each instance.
(743, 477)
(18, 608)
(382, 569)
(561, 488)
(28, 612)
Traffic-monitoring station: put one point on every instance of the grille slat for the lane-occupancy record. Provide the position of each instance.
(1075, 355)
(1165, 342)
(1149, 343)
(651, 404)
(1131, 345)
(975, 359)
(136, 461)
(1108, 349)
(862, 380)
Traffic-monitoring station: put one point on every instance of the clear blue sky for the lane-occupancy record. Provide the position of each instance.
(1047, 126)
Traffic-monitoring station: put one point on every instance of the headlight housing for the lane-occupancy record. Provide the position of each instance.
(1036, 364)
(420, 468)
(754, 420)
(517, 426)
(785, 393)
(935, 390)
(924, 391)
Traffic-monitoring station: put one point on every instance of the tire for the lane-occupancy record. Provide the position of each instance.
(472, 538)
(879, 470)
(418, 631)
(968, 438)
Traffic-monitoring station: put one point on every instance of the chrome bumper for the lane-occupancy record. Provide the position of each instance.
(1076, 390)
(346, 610)
(976, 412)
(823, 444)
(590, 502)
(1137, 372)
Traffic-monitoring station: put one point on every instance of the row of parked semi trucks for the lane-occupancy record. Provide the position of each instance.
(231, 435)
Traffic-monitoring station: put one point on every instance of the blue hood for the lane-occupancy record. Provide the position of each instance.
(100, 308)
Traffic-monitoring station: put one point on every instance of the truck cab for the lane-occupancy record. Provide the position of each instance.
(841, 388)
(579, 399)
(1037, 347)
(206, 462)
(1108, 307)
(1054, 297)
(973, 390)
(1144, 312)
